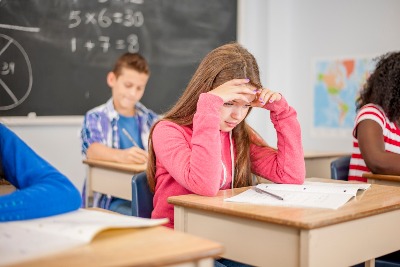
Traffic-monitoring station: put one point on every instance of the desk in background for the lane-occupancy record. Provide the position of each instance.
(382, 179)
(115, 178)
(318, 164)
(111, 178)
(153, 246)
(363, 229)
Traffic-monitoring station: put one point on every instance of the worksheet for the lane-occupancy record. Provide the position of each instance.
(24, 240)
(309, 194)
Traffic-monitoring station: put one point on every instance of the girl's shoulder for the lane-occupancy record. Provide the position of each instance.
(372, 109)
(168, 126)
(372, 112)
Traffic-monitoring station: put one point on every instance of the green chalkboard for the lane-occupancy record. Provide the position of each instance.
(55, 54)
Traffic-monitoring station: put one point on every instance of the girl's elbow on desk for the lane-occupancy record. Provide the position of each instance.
(206, 190)
(296, 177)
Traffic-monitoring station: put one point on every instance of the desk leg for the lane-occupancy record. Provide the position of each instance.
(179, 219)
(88, 186)
(208, 262)
(370, 263)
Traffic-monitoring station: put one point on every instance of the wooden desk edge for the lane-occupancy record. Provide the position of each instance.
(324, 154)
(384, 177)
(136, 168)
(307, 225)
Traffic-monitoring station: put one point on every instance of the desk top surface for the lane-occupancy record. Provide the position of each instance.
(377, 199)
(154, 246)
(324, 154)
(115, 165)
(384, 177)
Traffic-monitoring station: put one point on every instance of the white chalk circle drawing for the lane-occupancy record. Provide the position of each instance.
(10, 74)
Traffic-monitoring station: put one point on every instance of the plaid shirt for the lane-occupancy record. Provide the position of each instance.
(100, 125)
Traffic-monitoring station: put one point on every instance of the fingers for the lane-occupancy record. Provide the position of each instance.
(240, 89)
(240, 86)
(137, 155)
(265, 95)
(244, 90)
(233, 89)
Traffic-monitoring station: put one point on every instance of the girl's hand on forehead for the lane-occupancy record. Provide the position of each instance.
(264, 96)
(235, 89)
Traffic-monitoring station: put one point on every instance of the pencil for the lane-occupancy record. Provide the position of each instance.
(129, 137)
(259, 190)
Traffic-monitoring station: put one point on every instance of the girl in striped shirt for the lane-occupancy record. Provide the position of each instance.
(376, 134)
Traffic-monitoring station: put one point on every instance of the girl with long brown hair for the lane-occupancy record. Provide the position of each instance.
(203, 144)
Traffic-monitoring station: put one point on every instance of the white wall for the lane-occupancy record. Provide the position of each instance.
(264, 29)
(56, 139)
(345, 28)
(285, 36)
(294, 33)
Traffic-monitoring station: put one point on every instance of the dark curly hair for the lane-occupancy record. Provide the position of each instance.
(383, 86)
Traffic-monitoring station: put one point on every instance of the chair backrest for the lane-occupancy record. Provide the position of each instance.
(142, 197)
(340, 168)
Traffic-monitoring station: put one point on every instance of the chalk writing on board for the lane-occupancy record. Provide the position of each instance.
(127, 18)
(12, 69)
(131, 44)
(9, 71)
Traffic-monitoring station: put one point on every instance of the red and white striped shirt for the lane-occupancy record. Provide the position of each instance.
(391, 137)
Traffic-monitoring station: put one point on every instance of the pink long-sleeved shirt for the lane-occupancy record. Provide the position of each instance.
(189, 158)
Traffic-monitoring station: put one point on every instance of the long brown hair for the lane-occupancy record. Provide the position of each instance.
(227, 62)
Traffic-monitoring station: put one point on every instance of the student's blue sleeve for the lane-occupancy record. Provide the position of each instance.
(41, 189)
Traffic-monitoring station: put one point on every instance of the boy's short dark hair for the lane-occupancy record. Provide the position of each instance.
(131, 61)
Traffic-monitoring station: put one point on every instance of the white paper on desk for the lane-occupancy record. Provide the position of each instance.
(293, 199)
(24, 240)
(310, 194)
(316, 187)
(358, 185)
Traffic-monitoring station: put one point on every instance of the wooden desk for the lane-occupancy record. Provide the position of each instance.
(382, 179)
(363, 229)
(111, 178)
(318, 163)
(154, 246)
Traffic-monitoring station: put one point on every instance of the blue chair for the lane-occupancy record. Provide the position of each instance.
(389, 260)
(340, 171)
(340, 168)
(142, 197)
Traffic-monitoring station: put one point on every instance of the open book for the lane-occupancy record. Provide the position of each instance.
(24, 240)
(309, 194)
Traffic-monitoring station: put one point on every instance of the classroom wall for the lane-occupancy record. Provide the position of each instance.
(292, 34)
(285, 36)
(56, 140)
